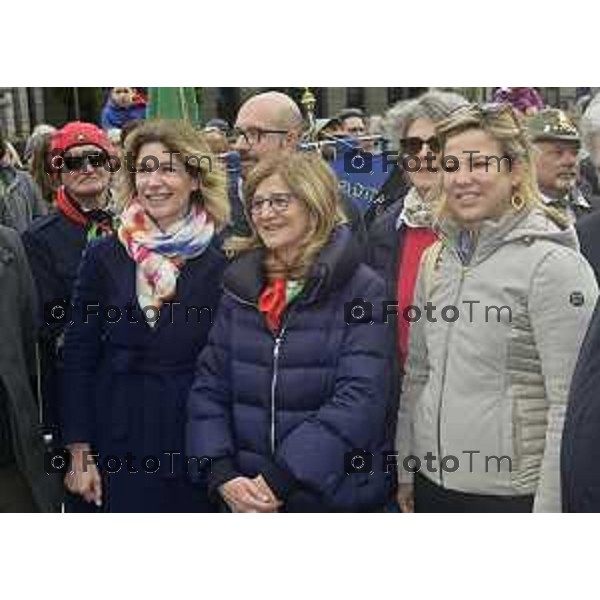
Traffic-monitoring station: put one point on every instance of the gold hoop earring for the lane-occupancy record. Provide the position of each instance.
(517, 202)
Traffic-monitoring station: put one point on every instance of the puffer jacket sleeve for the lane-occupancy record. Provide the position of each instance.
(415, 377)
(354, 416)
(209, 423)
(561, 302)
(82, 350)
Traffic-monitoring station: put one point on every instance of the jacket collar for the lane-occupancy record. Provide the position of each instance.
(490, 236)
(335, 264)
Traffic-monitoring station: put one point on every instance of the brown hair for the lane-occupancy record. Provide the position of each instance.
(311, 181)
(180, 137)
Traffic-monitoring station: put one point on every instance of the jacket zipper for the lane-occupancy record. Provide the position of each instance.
(441, 399)
(276, 349)
(278, 341)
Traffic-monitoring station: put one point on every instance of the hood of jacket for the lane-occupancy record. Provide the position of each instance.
(334, 265)
(524, 226)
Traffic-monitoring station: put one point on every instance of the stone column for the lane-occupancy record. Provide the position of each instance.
(209, 103)
(376, 100)
(334, 99)
(21, 105)
(7, 113)
(39, 113)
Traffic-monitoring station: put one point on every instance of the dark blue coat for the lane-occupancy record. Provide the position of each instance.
(292, 406)
(589, 240)
(384, 249)
(580, 448)
(115, 116)
(126, 383)
(54, 245)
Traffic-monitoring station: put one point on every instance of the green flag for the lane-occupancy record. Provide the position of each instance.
(173, 103)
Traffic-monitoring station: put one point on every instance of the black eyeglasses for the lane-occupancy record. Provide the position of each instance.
(279, 202)
(413, 145)
(76, 163)
(252, 135)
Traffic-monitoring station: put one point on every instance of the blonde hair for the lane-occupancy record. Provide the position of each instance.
(180, 137)
(311, 181)
(504, 125)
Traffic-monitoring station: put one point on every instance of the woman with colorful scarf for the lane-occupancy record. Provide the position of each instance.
(293, 385)
(143, 305)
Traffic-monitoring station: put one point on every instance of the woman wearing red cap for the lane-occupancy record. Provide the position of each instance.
(143, 305)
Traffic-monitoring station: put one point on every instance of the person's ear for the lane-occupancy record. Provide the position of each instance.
(516, 173)
(291, 139)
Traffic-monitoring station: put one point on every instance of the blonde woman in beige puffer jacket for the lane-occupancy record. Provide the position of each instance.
(485, 391)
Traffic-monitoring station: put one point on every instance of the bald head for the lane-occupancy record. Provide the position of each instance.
(273, 110)
(271, 122)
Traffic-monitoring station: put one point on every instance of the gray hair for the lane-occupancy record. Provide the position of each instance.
(589, 125)
(435, 106)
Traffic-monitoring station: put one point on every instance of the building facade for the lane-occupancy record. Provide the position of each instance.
(23, 108)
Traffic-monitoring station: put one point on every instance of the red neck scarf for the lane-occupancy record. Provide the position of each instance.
(272, 303)
(96, 219)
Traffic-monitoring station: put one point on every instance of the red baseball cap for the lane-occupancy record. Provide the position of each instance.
(79, 133)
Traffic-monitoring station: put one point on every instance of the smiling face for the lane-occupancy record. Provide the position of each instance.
(86, 183)
(281, 228)
(475, 192)
(165, 192)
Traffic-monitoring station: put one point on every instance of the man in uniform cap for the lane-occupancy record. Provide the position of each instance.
(557, 144)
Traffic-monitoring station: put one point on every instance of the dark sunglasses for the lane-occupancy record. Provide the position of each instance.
(76, 163)
(414, 145)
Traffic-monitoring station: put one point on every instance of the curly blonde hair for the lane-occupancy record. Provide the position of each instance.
(310, 180)
(505, 126)
(180, 137)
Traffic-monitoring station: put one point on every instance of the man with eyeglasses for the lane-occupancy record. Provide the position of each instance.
(272, 122)
(79, 166)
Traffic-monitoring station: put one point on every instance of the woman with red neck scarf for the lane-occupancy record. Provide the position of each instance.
(55, 243)
(294, 384)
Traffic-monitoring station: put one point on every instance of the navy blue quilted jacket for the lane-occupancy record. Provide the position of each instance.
(291, 406)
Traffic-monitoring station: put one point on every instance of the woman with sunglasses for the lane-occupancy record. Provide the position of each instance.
(292, 389)
(488, 372)
(143, 305)
(400, 235)
(76, 166)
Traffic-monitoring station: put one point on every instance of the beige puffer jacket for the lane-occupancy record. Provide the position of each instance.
(493, 383)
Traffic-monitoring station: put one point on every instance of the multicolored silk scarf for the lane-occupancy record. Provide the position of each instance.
(416, 212)
(159, 255)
